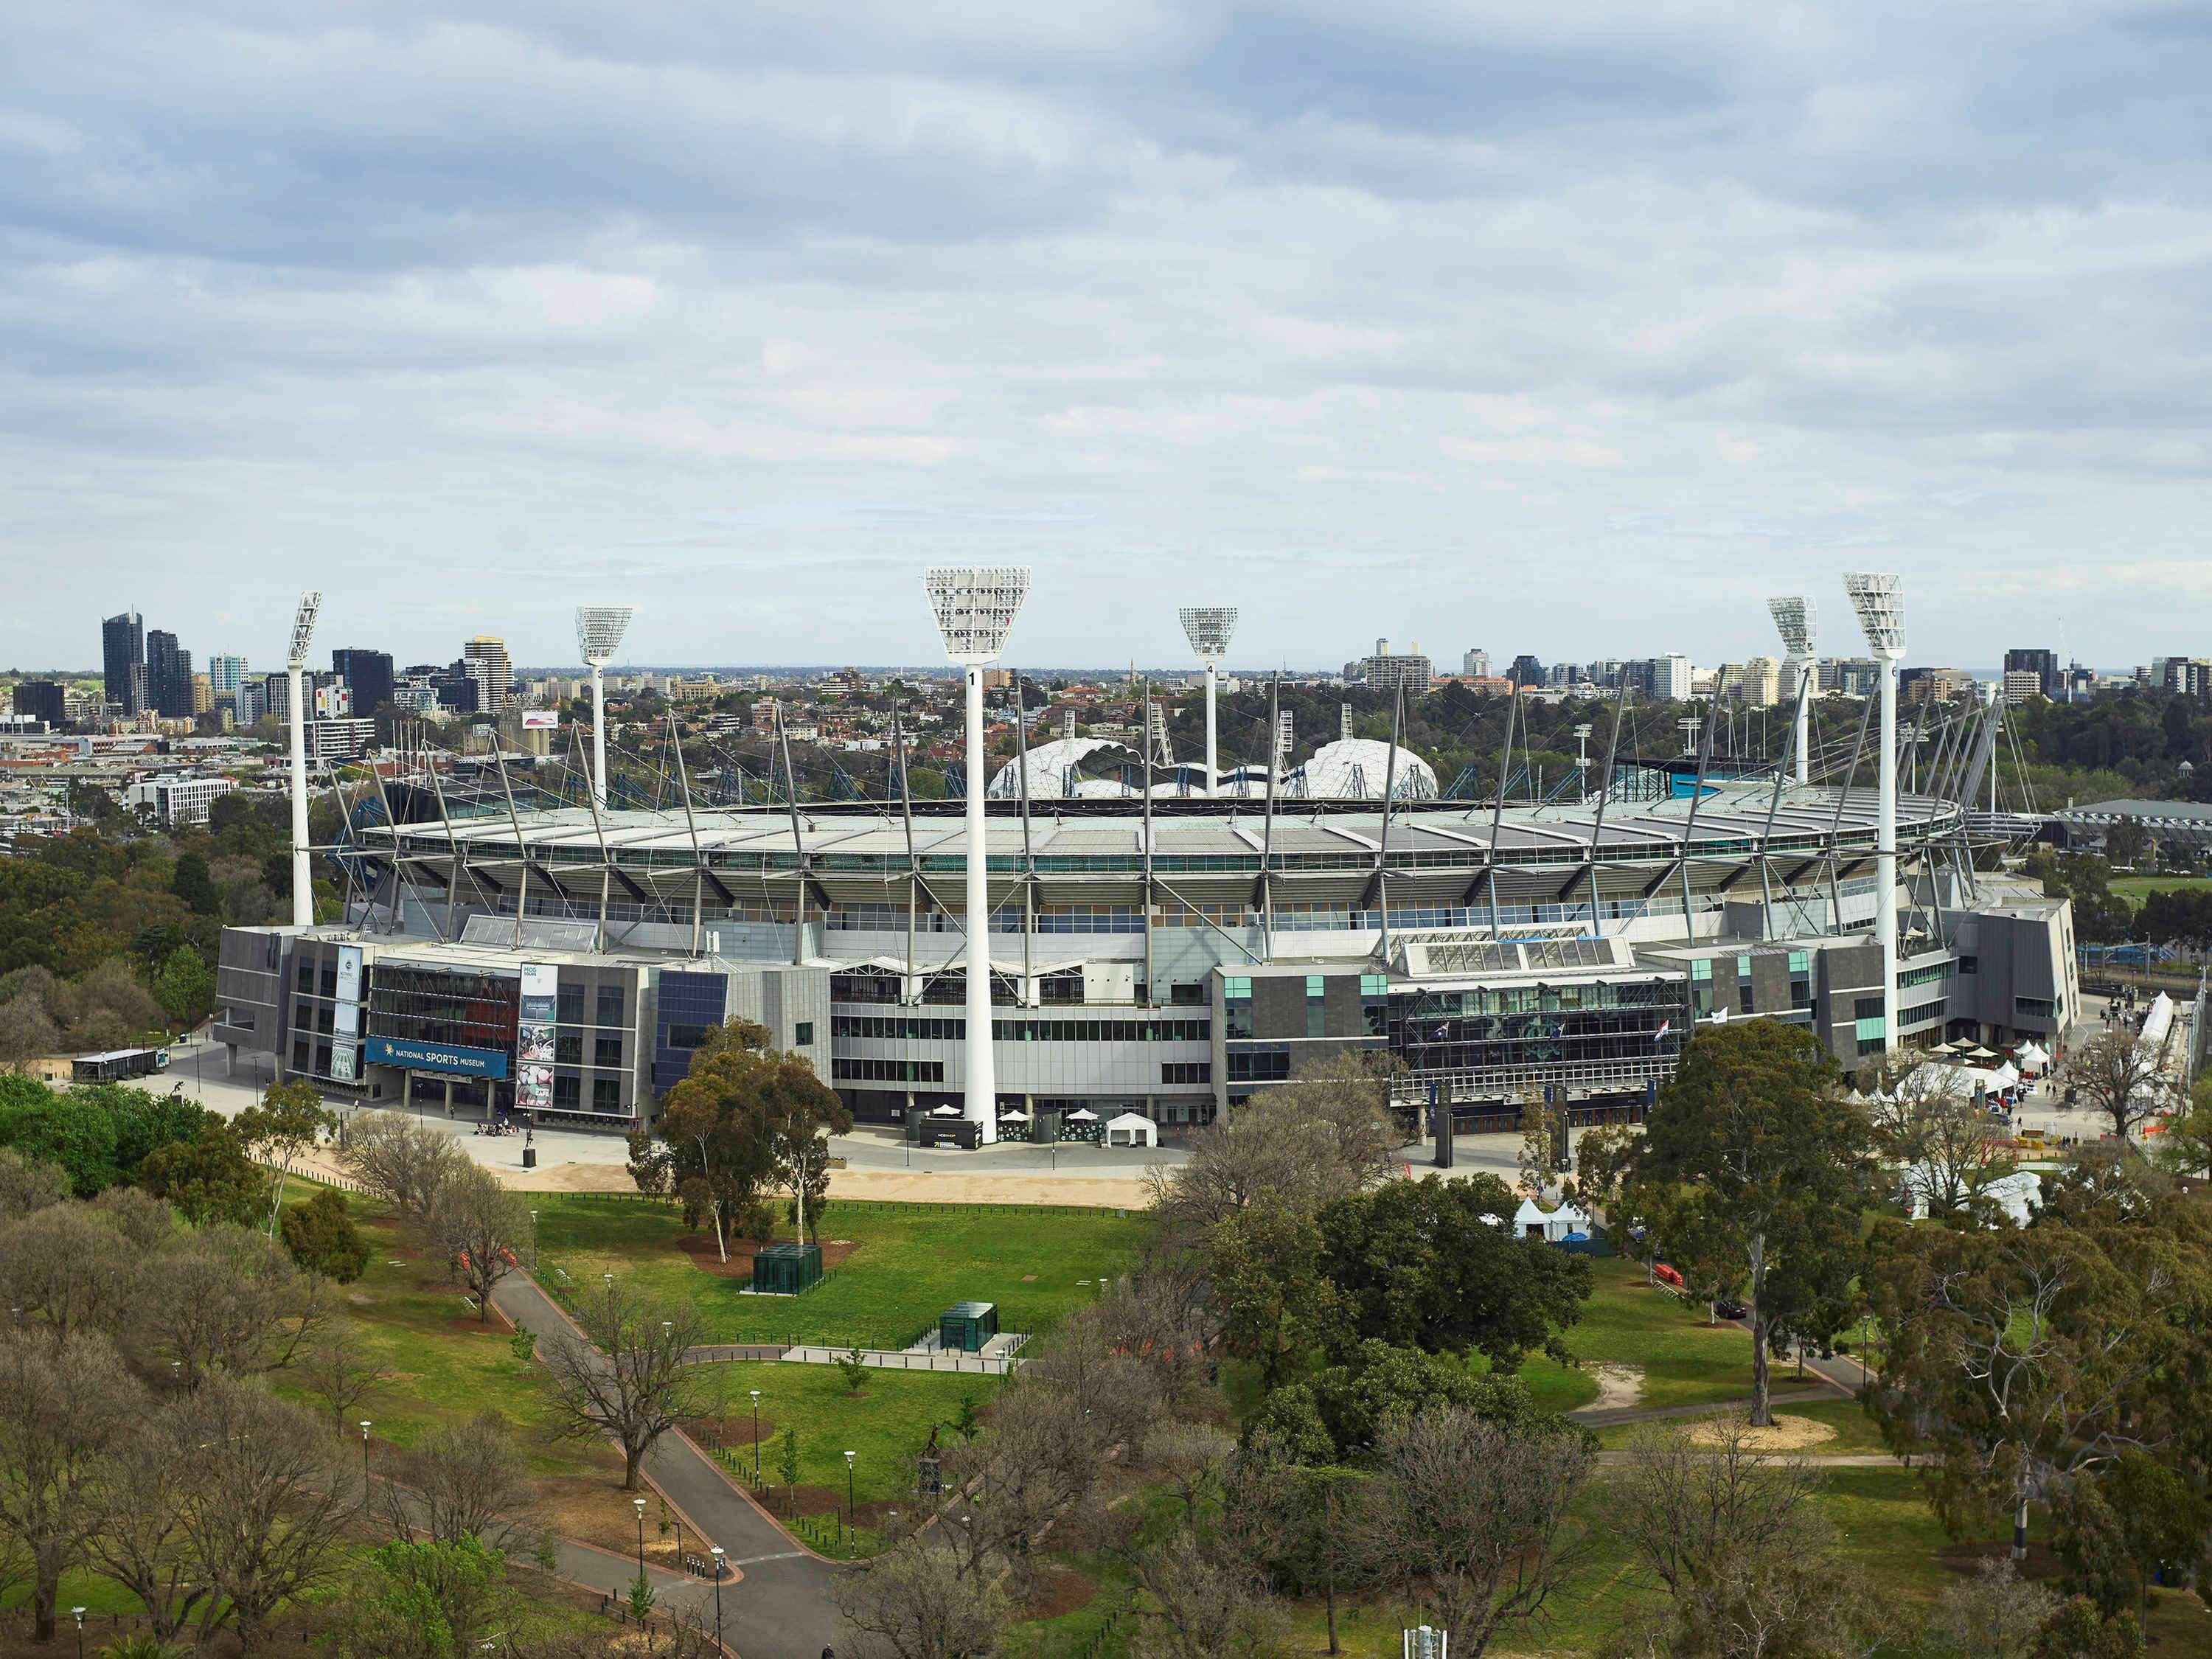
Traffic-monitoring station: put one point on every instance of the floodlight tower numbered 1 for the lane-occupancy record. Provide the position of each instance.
(295, 663)
(1797, 622)
(599, 630)
(1879, 600)
(1208, 627)
(974, 610)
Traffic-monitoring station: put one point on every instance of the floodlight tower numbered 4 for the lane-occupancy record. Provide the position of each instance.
(295, 663)
(1878, 600)
(1208, 627)
(599, 630)
(1797, 622)
(975, 610)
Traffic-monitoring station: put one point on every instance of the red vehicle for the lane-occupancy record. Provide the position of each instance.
(1667, 1275)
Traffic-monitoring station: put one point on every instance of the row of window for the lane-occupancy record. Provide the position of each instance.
(1193, 1070)
(1923, 1011)
(568, 1093)
(887, 1071)
(2036, 1007)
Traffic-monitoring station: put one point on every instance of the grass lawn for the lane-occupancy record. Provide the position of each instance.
(909, 1262)
(2135, 889)
(1628, 1323)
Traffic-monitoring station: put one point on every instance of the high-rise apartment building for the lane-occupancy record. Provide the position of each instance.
(226, 674)
(2043, 665)
(169, 676)
(42, 700)
(1475, 664)
(1387, 670)
(484, 661)
(1526, 671)
(123, 661)
(367, 675)
(1668, 679)
(2021, 685)
(203, 695)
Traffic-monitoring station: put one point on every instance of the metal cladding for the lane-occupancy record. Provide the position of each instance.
(303, 628)
(599, 630)
(975, 608)
(1879, 600)
(1208, 628)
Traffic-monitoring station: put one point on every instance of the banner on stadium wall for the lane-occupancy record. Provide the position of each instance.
(435, 1057)
(540, 720)
(534, 1036)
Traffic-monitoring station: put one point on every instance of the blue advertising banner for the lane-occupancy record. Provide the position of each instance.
(435, 1057)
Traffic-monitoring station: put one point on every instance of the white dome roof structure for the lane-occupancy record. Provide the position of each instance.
(1054, 770)
(1353, 768)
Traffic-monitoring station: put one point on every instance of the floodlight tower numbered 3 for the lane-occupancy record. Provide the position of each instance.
(295, 663)
(975, 610)
(1208, 627)
(599, 630)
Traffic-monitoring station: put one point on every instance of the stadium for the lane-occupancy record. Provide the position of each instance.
(513, 943)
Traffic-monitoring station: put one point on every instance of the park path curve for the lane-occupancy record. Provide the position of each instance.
(779, 1607)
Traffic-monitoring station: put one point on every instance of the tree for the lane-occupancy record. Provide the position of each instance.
(802, 1113)
(1291, 1521)
(323, 1239)
(139, 1538)
(64, 1405)
(268, 1519)
(208, 1179)
(1766, 1156)
(484, 1231)
(1042, 1455)
(71, 1128)
(431, 1599)
(27, 1184)
(912, 1602)
(1924, 1120)
(718, 1125)
(2119, 1077)
(1188, 1457)
(185, 986)
(2022, 1358)
(623, 1377)
(1201, 1603)
(64, 1266)
(224, 1299)
(192, 883)
(341, 1371)
(289, 1122)
(400, 1160)
(1995, 1614)
(2117, 1528)
(1431, 1264)
(1264, 1262)
(2185, 1148)
(27, 1032)
(469, 1482)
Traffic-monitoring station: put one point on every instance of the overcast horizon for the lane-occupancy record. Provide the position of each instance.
(1570, 329)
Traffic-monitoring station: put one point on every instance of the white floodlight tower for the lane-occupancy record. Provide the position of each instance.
(600, 629)
(1208, 627)
(1797, 620)
(1879, 602)
(296, 661)
(974, 610)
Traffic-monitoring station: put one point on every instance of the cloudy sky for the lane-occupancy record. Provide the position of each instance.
(1574, 326)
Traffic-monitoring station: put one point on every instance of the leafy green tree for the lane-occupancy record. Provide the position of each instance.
(422, 1600)
(70, 1127)
(208, 1178)
(2080, 1631)
(2117, 1529)
(1766, 1157)
(787, 1462)
(1264, 1265)
(192, 883)
(289, 1122)
(144, 1121)
(185, 986)
(718, 1127)
(1434, 1265)
(321, 1236)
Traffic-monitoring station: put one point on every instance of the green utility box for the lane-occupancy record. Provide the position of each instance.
(967, 1326)
(787, 1269)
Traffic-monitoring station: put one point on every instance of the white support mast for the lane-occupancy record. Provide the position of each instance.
(974, 610)
(296, 662)
(1797, 622)
(1208, 627)
(1879, 602)
(599, 630)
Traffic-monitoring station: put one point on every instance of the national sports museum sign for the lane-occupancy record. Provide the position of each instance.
(435, 1057)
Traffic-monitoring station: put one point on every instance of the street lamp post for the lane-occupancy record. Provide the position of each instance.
(848, 1491)
(364, 1452)
(757, 1475)
(717, 1553)
(640, 1505)
(78, 1614)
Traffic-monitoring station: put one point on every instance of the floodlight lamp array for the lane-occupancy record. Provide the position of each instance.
(975, 608)
(1796, 620)
(1207, 627)
(303, 628)
(1879, 600)
(599, 630)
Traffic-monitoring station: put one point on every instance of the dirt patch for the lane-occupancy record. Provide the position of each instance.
(1618, 1385)
(787, 1501)
(699, 1247)
(1059, 1591)
(470, 1325)
(600, 1512)
(1790, 1433)
(732, 1431)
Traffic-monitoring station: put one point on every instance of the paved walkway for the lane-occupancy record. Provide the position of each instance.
(779, 1607)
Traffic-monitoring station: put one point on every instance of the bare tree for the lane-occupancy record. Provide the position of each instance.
(64, 1405)
(484, 1231)
(469, 1480)
(226, 1299)
(1926, 1121)
(1040, 1457)
(340, 1370)
(1685, 1508)
(624, 1377)
(29, 1184)
(2119, 1076)
(914, 1603)
(268, 1517)
(1117, 1391)
(140, 1539)
(1995, 1614)
(144, 1223)
(1163, 1319)
(1203, 1604)
(400, 1160)
(61, 1264)
(1188, 1458)
(1472, 1518)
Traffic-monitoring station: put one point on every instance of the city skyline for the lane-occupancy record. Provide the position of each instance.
(1485, 319)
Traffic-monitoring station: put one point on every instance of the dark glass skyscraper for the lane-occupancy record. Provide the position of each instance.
(169, 676)
(368, 674)
(123, 661)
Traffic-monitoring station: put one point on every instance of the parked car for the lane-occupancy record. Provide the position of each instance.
(1728, 1307)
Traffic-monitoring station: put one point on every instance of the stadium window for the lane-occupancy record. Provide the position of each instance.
(568, 1047)
(607, 1094)
(607, 1051)
(611, 1005)
(802, 1034)
(568, 1005)
(567, 1092)
(1866, 1008)
(1316, 1008)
